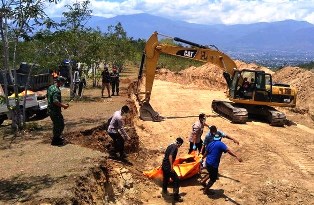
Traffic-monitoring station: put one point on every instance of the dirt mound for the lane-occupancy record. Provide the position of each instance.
(242, 65)
(97, 138)
(205, 76)
(303, 80)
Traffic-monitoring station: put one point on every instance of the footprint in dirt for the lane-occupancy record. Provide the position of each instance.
(119, 160)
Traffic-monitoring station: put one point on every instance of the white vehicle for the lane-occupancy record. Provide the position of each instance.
(35, 104)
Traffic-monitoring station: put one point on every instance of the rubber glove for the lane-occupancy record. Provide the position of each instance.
(194, 147)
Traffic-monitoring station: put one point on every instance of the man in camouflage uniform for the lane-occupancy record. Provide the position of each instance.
(54, 110)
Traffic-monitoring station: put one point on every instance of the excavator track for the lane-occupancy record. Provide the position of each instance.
(238, 113)
(266, 113)
(231, 112)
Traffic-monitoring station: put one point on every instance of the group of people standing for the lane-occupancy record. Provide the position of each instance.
(55, 104)
(112, 79)
(211, 149)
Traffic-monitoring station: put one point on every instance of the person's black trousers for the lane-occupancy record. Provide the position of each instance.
(167, 173)
(118, 143)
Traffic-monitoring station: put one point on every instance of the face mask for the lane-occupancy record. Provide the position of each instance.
(203, 120)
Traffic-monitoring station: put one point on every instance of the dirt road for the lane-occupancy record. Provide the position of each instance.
(278, 165)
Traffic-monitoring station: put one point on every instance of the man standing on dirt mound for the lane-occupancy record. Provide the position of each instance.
(196, 134)
(117, 133)
(54, 110)
(213, 154)
(168, 171)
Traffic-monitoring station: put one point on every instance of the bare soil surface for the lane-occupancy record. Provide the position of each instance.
(277, 167)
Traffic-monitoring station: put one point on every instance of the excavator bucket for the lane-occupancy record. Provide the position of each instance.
(147, 113)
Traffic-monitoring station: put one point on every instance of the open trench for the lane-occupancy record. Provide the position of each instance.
(110, 181)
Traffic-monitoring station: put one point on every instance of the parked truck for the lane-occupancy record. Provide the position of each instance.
(36, 98)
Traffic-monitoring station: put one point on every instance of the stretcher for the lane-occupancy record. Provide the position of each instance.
(185, 167)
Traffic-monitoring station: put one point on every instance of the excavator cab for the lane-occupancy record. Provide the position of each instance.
(251, 85)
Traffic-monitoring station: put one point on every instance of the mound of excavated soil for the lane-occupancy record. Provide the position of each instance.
(196, 76)
(301, 79)
(205, 76)
(97, 138)
(241, 65)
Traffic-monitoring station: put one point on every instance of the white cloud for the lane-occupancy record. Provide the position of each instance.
(203, 11)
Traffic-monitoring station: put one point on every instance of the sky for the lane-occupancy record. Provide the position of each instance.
(202, 11)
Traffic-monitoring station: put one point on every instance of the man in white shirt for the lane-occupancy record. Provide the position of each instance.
(117, 133)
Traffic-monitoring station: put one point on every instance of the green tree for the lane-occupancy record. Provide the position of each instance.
(119, 46)
(17, 19)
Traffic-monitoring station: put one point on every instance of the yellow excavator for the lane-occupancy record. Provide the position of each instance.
(250, 92)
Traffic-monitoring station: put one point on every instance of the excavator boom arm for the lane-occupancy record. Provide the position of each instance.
(200, 53)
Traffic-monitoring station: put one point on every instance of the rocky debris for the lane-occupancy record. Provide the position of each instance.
(107, 183)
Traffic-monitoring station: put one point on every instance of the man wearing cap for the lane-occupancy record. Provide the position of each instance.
(196, 134)
(213, 132)
(115, 80)
(168, 171)
(54, 110)
(213, 154)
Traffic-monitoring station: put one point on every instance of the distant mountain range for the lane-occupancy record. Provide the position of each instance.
(287, 36)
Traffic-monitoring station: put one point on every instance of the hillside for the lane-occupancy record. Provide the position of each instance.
(282, 37)
(303, 80)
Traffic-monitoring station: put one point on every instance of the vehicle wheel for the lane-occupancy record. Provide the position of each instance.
(1, 121)
(42, 113)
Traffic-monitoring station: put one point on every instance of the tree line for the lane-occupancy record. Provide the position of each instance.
(29, 35)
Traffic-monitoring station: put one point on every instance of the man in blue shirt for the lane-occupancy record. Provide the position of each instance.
(213, 132)
(213, 154)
